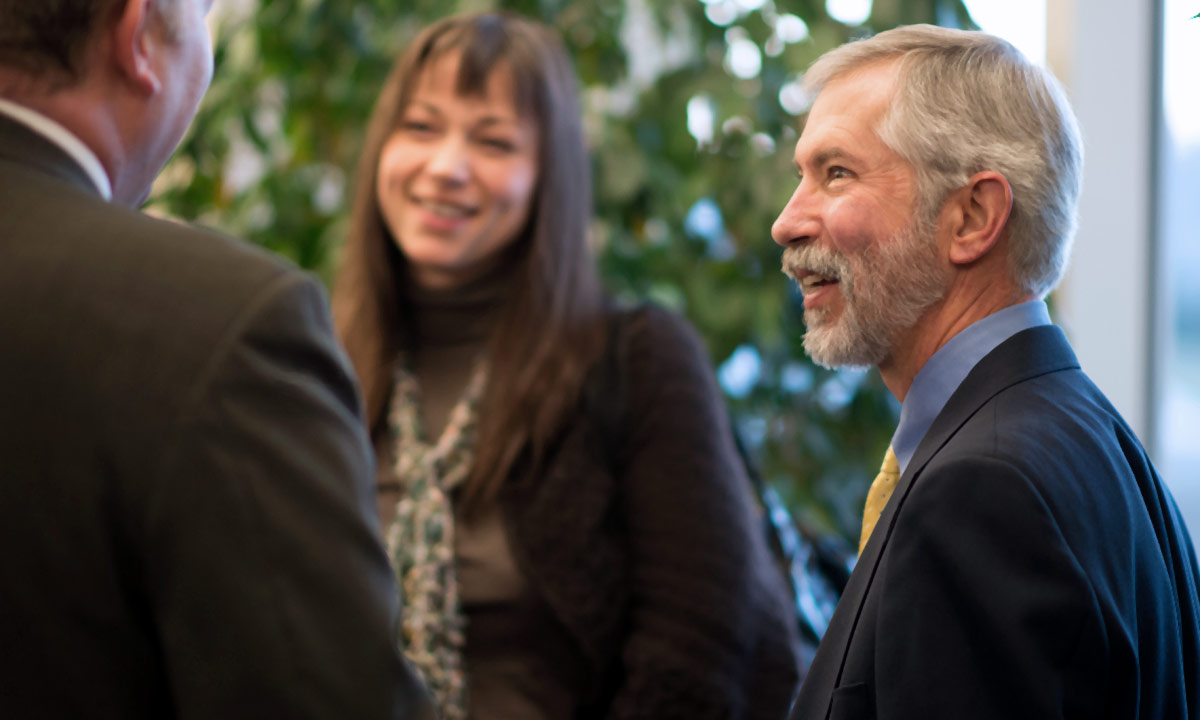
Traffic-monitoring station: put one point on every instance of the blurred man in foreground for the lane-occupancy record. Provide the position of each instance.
(186, 493)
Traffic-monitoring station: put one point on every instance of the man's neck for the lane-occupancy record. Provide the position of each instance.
(64, 137)
(89, 109)
(962, 307)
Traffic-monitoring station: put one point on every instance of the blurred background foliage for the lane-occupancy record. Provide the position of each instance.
(692, 112)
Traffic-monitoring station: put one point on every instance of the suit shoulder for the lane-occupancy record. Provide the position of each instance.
(198, 257)
(189, 271)
(1061, 412)
(133, 291)
(1061, 435)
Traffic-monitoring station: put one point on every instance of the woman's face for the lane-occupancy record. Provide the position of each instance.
(457, 176)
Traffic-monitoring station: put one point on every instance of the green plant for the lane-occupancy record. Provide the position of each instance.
(691, 163)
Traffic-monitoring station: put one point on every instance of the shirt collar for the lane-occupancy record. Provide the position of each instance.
(944, 372)
(64, 139)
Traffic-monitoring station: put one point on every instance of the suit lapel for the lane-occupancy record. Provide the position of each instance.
(1026, 355)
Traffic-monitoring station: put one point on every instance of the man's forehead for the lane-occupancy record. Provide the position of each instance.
(835, 136)
(847, 113)
(862, 91)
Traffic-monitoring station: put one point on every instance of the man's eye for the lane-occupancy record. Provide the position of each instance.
(838, 173)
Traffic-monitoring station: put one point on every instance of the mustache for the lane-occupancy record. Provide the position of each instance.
(814, 259)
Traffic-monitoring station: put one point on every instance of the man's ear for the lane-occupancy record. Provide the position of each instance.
(135, 43)
(980, 212)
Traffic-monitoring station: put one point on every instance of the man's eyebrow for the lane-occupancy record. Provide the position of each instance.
(825, 156)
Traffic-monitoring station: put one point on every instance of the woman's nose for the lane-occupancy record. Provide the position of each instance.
(450, 161)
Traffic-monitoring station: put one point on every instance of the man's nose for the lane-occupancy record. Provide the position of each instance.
(797, 223)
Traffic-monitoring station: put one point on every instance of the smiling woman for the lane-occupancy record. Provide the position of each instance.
(560, 494)
(456, 178)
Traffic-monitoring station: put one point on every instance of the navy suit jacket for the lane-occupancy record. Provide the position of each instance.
(1031, 564)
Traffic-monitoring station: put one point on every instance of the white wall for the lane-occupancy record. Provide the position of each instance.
(1114, 302)
(1103, 52)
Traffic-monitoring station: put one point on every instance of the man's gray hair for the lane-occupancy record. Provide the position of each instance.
(968, 102)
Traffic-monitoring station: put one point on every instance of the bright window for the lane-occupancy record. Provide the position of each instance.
(1021, 22)
(1178, 411)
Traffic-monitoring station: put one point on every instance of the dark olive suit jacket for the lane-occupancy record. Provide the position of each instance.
(1030, 564)
(186, 497)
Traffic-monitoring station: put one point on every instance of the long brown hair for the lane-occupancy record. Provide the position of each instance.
(551, 328)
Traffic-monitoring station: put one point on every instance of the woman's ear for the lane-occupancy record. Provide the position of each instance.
(981, 211)
(136, 42)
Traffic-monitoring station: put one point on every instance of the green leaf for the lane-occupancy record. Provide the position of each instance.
(271, 152)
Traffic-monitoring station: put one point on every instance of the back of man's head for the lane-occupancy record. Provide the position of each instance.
(48, 39)
(123, 76)
(968, 102)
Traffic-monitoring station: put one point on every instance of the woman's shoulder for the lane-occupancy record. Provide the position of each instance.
(648, 329)
(654, 353)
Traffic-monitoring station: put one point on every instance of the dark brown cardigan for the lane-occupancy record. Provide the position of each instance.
(654, 560)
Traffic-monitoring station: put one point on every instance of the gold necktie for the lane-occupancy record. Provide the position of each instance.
(877, 496)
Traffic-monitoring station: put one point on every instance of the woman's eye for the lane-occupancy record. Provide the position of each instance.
(500, 144)
(416, 126)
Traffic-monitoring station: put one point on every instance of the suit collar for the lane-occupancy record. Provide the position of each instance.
(24, 146)
(933, 386)
(1024, 356)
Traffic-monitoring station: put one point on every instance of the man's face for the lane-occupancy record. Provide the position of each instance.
(184, 64)
(865, 258)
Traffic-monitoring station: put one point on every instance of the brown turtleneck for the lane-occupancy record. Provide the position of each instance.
(513, 650)
(451, 331)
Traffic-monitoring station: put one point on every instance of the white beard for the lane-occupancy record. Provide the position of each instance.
(885, 291)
